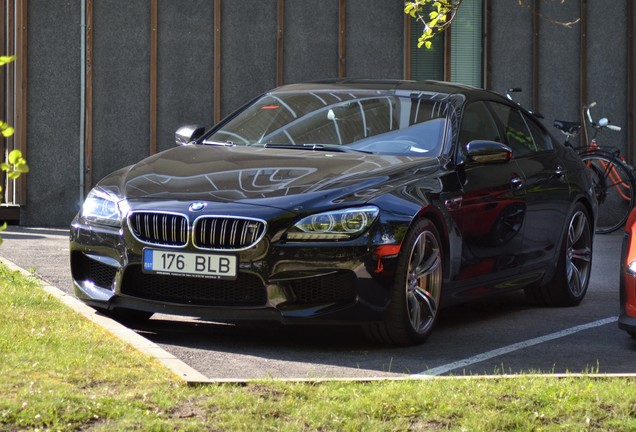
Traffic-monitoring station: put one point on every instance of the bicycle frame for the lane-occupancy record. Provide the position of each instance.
(609, 170)
(613, 179)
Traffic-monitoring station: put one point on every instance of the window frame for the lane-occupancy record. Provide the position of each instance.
(445, 42)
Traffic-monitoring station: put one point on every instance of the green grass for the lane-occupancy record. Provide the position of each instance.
(59, 371)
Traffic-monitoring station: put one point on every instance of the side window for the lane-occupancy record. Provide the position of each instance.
(478, 124)
(542, 140)
(517, 134)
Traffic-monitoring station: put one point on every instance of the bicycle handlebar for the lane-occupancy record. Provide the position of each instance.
(512, 90)
(589, 114)
(602, 123)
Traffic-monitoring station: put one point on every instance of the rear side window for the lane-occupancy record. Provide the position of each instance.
(542, 140)
(523, 134)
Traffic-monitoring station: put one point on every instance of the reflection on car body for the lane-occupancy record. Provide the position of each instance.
(263, 217)
(627, 316)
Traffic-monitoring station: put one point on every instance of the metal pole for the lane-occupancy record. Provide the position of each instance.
(82, 143)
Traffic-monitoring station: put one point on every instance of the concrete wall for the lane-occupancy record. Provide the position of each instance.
(561, 91)
(121, 93)
(185, 94)
(185, 63)
(312, 52)
(375, 39)
(606, 80)
(511, 50)
(53, 112)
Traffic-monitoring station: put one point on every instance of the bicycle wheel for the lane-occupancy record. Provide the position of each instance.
(614, 185)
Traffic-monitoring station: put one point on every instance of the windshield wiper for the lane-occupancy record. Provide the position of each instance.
(317, 147)
(220, 143)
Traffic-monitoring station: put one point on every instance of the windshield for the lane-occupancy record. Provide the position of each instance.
(360, 121)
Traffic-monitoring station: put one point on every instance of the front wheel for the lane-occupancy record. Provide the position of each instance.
(416, 290)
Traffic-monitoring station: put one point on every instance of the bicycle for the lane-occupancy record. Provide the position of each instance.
(613, 179)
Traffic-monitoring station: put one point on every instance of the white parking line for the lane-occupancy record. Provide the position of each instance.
(440, 370)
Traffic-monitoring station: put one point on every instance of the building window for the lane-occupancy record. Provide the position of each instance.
(457, 54)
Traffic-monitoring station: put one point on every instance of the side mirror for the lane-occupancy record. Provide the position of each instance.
(187, 134)
(488, 152)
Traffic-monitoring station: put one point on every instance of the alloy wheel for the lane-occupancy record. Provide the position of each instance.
(424, 282)
(579, 253)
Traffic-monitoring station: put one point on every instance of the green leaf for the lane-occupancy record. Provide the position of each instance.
(6, 59)
(428, 44)
(8, 132)
(15, 156)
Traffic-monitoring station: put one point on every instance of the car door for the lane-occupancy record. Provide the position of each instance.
(489, 211)
(547, 189)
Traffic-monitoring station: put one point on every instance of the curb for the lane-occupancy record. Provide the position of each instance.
(176, 366)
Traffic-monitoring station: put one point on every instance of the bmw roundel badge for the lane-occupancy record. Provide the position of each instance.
(197, 206)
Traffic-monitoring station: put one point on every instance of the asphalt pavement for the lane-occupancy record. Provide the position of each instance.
(492, 336)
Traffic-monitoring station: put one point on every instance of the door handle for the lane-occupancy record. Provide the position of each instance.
(559, 171)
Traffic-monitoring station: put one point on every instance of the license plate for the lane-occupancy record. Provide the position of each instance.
(213, 266)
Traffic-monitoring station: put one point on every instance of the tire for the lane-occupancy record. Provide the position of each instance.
(614, 186)
(569, 284)
(416, 290)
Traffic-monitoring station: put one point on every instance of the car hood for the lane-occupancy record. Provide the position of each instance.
(290, 179)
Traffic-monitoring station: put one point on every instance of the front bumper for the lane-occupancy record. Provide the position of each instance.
(347, 282)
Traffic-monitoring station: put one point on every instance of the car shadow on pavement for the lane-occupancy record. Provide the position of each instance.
(327, 346)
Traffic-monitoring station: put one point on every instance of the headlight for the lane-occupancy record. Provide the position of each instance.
(631, 268)
(104, 208)
(334, 225)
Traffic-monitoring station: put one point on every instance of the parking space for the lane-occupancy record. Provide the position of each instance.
(504, 334)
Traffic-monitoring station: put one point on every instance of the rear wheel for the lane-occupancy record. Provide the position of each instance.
(416, 290)
(572, 276)
(614, 186)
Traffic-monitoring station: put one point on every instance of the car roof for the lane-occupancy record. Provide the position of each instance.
(392, 85)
